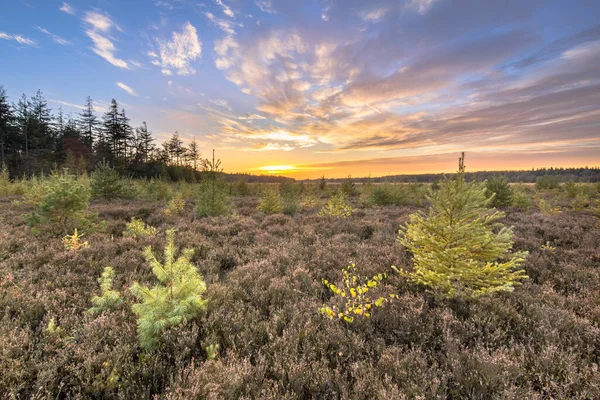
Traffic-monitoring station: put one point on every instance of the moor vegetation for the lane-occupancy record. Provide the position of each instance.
(225, 290)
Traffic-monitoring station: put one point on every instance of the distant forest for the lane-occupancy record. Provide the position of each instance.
(584, 174)
(33, 141)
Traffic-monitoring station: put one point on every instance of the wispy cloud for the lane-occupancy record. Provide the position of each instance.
(226, 9)
(224, 25)
(65, 103)
(179, 53)
(221, 103)
(17, 38)
(98, 30)
(56, 38)
(67, 8)
(127, 89)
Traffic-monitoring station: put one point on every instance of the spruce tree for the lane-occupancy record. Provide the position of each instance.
(175, 299)
(7, 120)
(459, 248)
(111, 129)
(88, 123)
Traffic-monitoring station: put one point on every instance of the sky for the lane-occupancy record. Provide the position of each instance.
(326, 87)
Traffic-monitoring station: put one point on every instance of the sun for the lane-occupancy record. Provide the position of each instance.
(278, 169)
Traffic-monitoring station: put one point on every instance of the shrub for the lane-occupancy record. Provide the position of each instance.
(73, 242)
(153, 189)
(270, 202)
(498, 190)
(521, 197)
(109, 298)
(176, 299)
(212, 199)
(355, 290)
(309, 201)
(290, 193)
(348, 186)
(547, 182)
(60, 201)
(5, 185)
(387, 195)
(241, 187)
(571, 189)
(106, 182)
(546, 206)
(455, 246)
(322, 183)
(336, 207)
(175, 206)
(137, 228)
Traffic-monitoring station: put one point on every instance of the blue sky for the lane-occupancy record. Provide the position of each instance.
(327, 87)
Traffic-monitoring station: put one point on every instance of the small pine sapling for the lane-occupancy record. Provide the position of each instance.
(174, 207)
(106, 182)
(336, 207)
(109, 298)
(137, 228)
(59, 201)
(354, 292)
(73, 242)
(498, 190)
(459, 248)
(270, 202)
(175, 299)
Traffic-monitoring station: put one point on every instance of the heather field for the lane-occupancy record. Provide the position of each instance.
(260, 334)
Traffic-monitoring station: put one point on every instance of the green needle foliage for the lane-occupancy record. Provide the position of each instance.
(61, 201)
(270, 202)
(137, 228)
(459, 248)
(176, 299)
(106, 182)
(501, 191)
(108, 298)
(336, 207)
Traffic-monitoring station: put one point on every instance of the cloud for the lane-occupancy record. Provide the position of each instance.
(67, 8)
(98, 29)
(265, 6)
(421, 6)
(221, 103)
(64, 103)
(127, 89)
(17, 38)
(57, 39)
(374, 14)
(251, 117)
(178, 53)
(226, 9)
(224, 25)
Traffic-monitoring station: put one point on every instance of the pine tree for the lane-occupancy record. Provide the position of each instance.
(193, 154)
(176, 299)
(111, 129)
(7, 119)
(459, 248)
(108, 298)
(88, 123)
(23, 118)
(176, 149)
(143, 143)
(125, 134)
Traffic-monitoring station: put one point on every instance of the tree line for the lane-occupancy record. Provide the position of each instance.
(33, 140)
